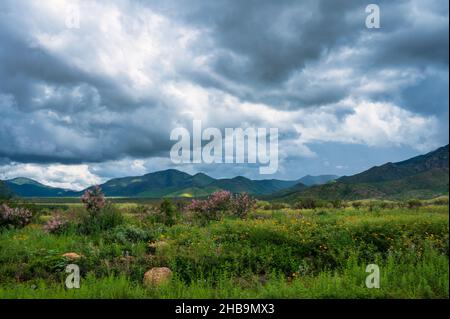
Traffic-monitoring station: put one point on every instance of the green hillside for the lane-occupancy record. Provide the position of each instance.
(26, 187)
(4, 191)
(174, 183)
(424, 176)
(309, 180)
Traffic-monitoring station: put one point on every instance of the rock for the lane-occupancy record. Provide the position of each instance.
(157, 276)
(72, 256)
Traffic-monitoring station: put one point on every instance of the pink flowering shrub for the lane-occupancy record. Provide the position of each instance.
(56, 225)
(242, 204)
(14, 217)
(221, 203)
(94, 200)
(212, 208)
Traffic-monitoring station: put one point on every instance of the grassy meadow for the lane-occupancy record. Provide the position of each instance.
(276, 251)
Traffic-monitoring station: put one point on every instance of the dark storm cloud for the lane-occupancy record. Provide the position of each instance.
(260, 44)
(83, 118)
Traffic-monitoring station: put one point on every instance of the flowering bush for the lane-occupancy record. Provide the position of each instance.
(14, 217)
(222, 202)
(56, 225)
(242, 204)
(93, 200)
(212, 208)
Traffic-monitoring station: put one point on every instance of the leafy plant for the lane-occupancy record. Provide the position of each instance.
(128, 233)
(167, 212)
(107, 218)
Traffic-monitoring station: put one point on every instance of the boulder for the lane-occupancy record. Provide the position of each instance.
(157, 276)
(72, 256)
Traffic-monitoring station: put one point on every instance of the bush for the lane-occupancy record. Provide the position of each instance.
(307, 203)
(357, 205)
(275, 206)
(414, 203)
(93, 200)
(167, 213)
(14, 217)
(212, 208)
(221, 203)
(242, 204)
(57, 224)
(128, 233)
(337, 203)
(107, 218)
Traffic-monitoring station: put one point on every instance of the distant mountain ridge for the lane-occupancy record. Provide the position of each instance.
(174, 183)
(27, 187)
(167, 183)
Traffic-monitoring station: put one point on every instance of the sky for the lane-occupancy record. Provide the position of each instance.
(91, 90)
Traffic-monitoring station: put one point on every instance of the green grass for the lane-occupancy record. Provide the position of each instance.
(286, 253)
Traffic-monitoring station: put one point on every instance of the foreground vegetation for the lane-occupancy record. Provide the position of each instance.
(307, 250)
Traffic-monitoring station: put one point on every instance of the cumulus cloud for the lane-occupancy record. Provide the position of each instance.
(76, 177)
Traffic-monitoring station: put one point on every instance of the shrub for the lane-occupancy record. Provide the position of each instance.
(128, 233)
(14, 217)
(93, 200)
(306, 203)
(107, 218)
(167, 213)
(357, 205)
(242, 204)
(337, 203)
(414, 203)
(57, 224)
(221, 203)
(275, 206)
(212, 208)
(440, 201)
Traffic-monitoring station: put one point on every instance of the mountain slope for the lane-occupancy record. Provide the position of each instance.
(423, 176)
(309, 180)
(393, 171)
(26, 187)
(4, 191)
(153, 183)
(173, 183)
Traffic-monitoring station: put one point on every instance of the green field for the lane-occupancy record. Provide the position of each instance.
(272, 253)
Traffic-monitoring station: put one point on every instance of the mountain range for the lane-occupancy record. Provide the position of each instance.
(167, 183)
(422, 176)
